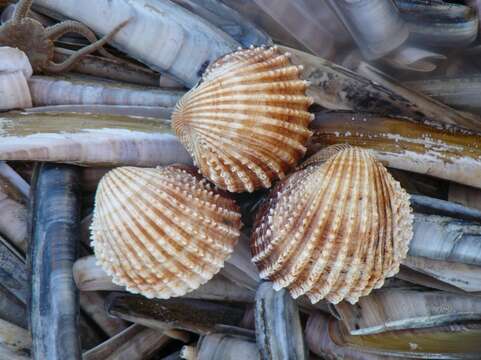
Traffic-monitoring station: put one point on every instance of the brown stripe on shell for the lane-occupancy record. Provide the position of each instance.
(334, 229)
(162, 232)
(246, 123)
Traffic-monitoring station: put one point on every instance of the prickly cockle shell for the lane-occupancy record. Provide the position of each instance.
(246, 123)
(162, 232)
(335, 229)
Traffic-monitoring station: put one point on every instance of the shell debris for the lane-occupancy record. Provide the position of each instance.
(334, 229)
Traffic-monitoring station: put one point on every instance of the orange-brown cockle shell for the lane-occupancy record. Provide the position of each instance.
(162, 232)
(246, 123)
(334, 229)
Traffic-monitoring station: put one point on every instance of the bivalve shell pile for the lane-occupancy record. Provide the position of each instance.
(240, 180)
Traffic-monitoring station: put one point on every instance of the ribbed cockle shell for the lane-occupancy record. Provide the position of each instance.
(245, 125)
(162, 232)
(335, 229)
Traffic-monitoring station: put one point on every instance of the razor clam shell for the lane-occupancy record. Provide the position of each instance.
(226, 347)
(15, 342)
(95, 323)
(278, 325)
(134, 343)
(13, 219)
(238, 331)
(92, 304)
(239, 268)
(398, 309)
(99, 109)
(14, 287)
(451, 155)
(221, 289)
(338, 88)
(351, 60)
(237, 281)
(15, 70)
(461, 92)
(417, 278)
(24, 169)
(89, 276)
(20, 186)
(421, 184)
(228, 20)
(14, 90)
(111, 69)
(13, 60)
(432, 7)
(443, 238)
(458, 341)
(386, 30)
(305, 21)
(414, 59)
(160, 34)
(439, 24)
(465, 195)
(250, 10)
(13, 272)
(12, 184)
(432, 109)
(61, 90)
(320, 342)
(12, 309)
(54, 300)
(463, 276)
(92, 140)
(197, 316)
(433, 206)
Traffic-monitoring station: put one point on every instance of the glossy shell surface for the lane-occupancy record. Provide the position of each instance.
(162, 232)
(335, 229)
(246, 123)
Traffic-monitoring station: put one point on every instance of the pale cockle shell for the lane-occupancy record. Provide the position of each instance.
(246, 123)
(162, 232)
(334, 229)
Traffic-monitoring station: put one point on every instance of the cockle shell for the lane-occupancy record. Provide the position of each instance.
(334, 229)
(246, 123)
(162, 232)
